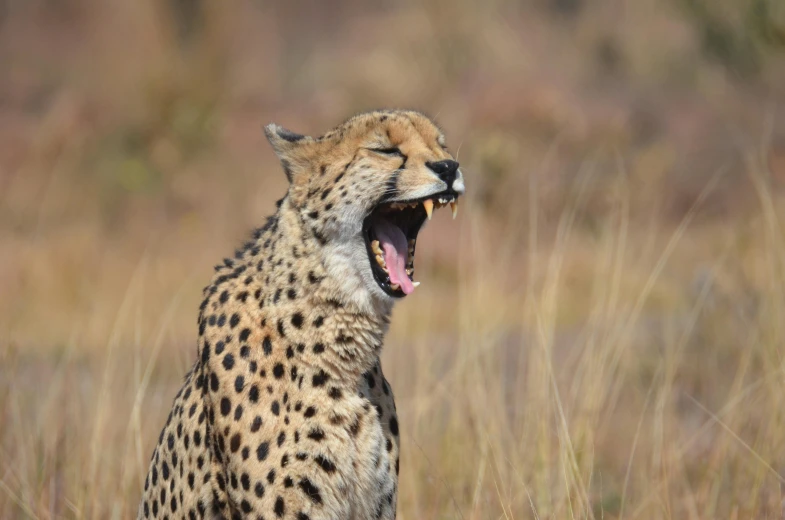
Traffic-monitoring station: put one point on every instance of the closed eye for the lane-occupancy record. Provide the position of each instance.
(388, 151)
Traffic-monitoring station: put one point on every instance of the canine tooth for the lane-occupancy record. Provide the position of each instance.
(428, 205)
(409, 271)
(416, 284)
(412, 241)
(380, 260)
(375, 247)
(454, 208)
(395, 287)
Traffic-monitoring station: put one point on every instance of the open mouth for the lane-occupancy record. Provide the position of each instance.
(390, 234)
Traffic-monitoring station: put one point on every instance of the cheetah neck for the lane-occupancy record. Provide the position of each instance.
(294, 294)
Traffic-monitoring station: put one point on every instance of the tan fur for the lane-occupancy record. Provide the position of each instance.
(286, 412)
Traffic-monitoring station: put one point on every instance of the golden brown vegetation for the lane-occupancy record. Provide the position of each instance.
(600, 333)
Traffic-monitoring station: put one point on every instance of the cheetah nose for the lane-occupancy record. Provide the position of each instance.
(446, 170)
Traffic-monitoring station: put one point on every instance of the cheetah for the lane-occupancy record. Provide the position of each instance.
(286, 412)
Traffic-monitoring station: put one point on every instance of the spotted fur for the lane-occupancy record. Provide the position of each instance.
(286, 412)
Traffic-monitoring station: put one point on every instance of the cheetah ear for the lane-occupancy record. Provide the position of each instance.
(291, 148)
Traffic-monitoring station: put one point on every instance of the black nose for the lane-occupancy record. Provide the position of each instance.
(446, 170)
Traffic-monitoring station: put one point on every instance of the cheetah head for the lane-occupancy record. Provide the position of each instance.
(365, 189)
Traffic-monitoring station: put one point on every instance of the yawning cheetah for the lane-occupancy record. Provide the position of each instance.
(286, 412)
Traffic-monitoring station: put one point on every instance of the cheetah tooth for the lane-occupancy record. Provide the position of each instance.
(416, 284)
(454, 208)
(375, 247)
(428, 205)
(395, 287)
(380, 260)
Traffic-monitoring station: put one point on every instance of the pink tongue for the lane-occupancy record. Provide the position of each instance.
(396, 252)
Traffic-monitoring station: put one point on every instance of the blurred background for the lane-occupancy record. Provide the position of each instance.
(598, 335)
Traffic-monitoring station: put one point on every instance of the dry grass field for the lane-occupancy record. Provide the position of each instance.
(600, 334)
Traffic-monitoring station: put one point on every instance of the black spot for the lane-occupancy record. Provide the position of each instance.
(267, 345)
(318, 348)
(271, 476)
(289, 352)
(219, 347)
(262, 451)
(245, 351)
(320, 378)
(284, 460)
(280, 329)
(394, 426)
(335, 393)
(234, 320)
(281, 438)
(244, 334)
(297, 320)
(258, 490)
(309, 412)
(316, 434)
(292, 294)
(239, 382)
(326, 464)
(246, 507)
(318, 322)
(226, 406)
(170, 441)
(279, 507)
(278, 370)
(275, 408)
(213, 382)
(303, 516)
(228, 361)
(238, 412)
(234, 443)
(165, 470)
(277, 296)
(253, 394)
(257, 423)
(310, 491)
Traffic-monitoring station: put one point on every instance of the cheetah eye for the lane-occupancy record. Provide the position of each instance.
(388, 151)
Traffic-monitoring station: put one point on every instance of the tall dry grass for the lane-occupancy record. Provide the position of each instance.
(598, 335)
